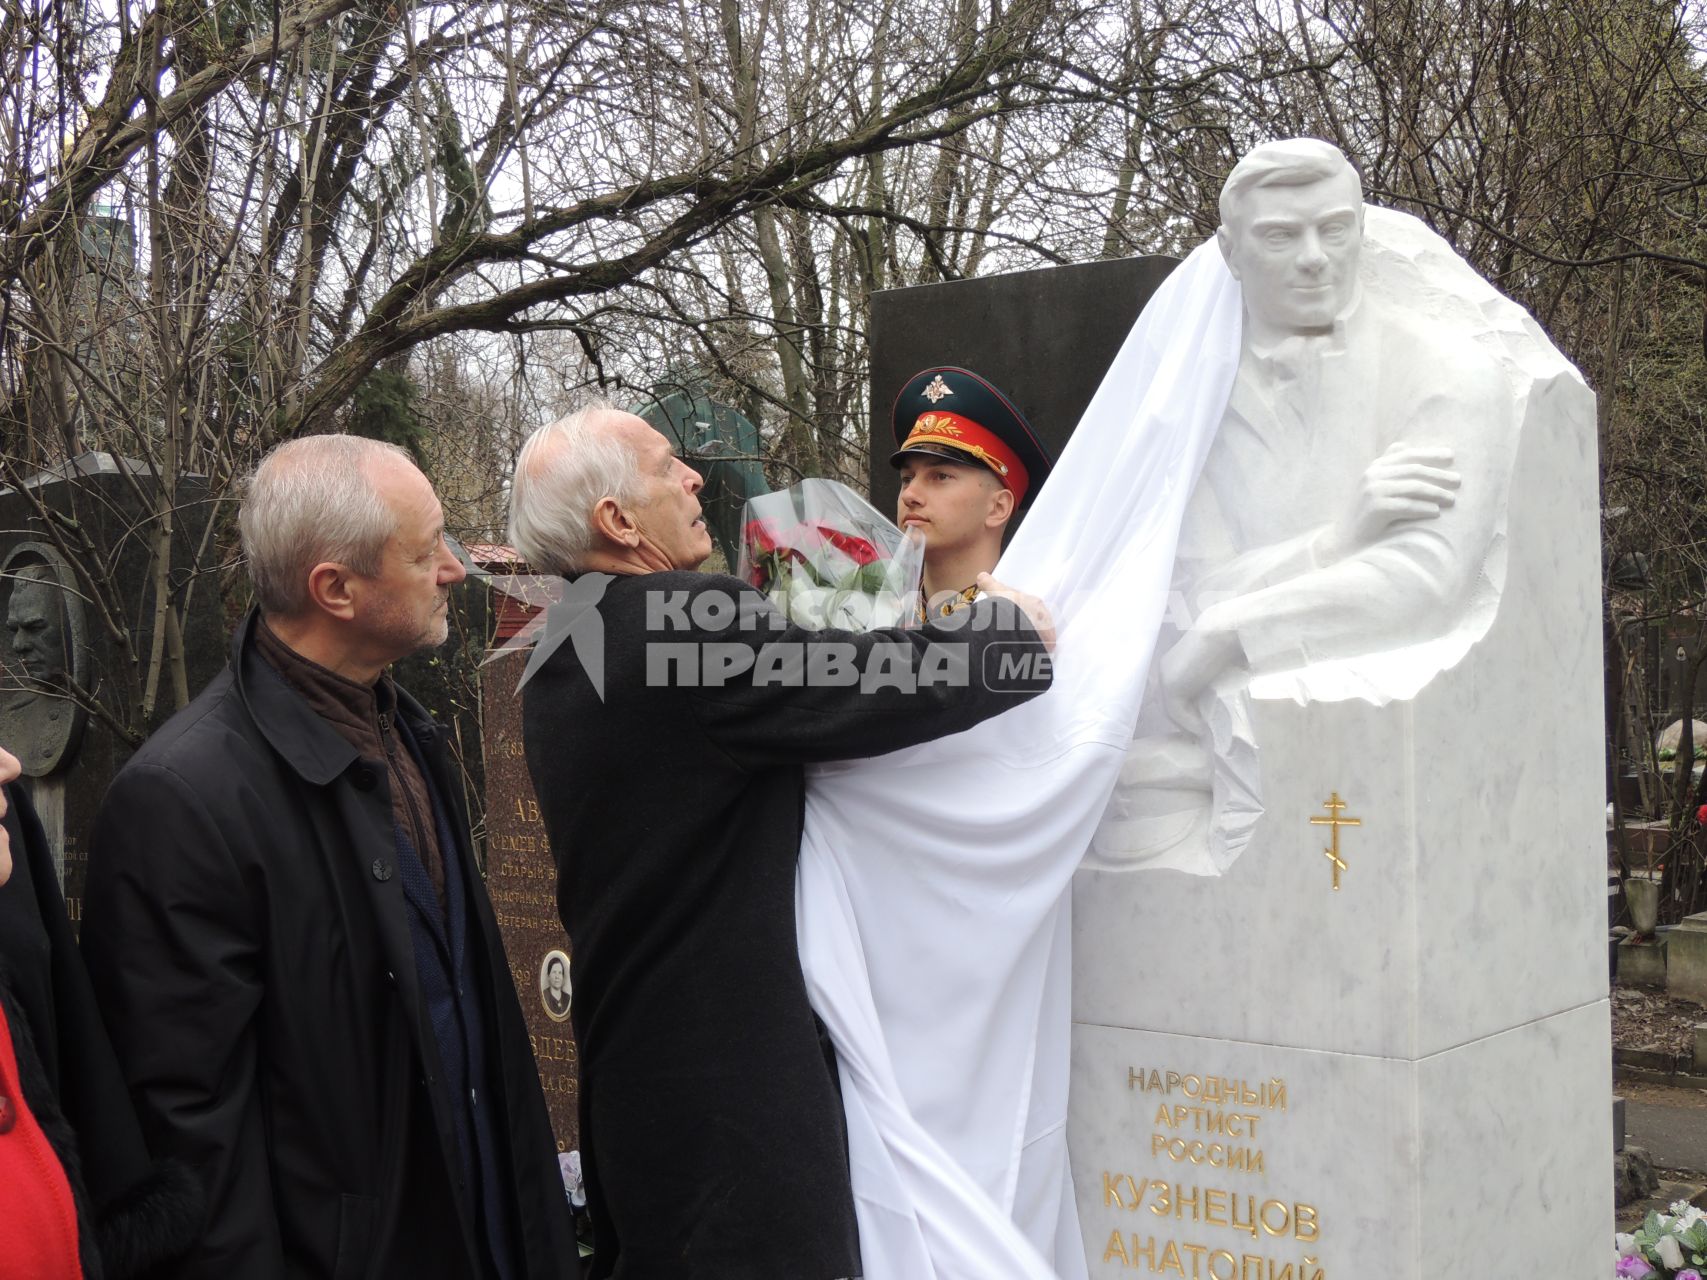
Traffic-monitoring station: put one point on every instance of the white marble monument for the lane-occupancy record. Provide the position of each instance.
(1378, 1044)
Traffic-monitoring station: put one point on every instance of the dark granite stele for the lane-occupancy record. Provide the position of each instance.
(107, 501)
(1045, 338)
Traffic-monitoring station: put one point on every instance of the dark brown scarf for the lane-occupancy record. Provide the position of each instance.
(365, 716)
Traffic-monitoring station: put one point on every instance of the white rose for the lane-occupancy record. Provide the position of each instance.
(1670, 1252)
(1626, 1244)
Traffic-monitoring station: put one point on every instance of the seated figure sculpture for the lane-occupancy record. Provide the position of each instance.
(1345, 537)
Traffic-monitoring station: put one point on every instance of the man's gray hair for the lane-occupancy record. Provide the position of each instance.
(562, 472)
(310, 501)
(1290, 162)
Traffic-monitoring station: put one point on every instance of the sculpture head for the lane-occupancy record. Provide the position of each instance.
(1291, 231)
(37, 626)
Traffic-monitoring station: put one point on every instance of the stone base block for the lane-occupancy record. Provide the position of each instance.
(1352, 1164)
(1686, 960)
(1641, 964)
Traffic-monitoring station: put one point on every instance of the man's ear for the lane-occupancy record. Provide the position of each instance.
(611, 523)
(1224, 242)
(1001, 508)
(329, 590)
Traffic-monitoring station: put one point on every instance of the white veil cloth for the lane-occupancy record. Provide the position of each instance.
(932, 898)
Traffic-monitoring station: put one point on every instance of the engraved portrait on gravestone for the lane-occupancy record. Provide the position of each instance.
(554, 990)
(1346, 536)
(45, 652)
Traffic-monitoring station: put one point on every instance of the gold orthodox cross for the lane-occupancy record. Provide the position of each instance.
(1334, 821)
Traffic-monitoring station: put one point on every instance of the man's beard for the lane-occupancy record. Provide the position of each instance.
(412, 637)
(437, 631)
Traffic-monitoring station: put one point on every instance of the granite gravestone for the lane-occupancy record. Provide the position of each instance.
(521, 879)
(56, 640)
(1044, 337)
(1315, 1069)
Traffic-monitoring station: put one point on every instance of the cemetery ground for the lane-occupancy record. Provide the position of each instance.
(1665, 1100)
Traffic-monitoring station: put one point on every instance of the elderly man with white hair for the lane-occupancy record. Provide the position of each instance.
(303, 976)
(668, 747)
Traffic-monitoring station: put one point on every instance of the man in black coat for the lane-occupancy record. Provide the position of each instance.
(300, 968)
(670, 774)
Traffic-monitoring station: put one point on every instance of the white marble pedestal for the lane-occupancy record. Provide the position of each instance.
(1421, 1059)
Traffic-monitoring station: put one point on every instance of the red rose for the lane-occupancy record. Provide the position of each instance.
(1701, 815)
(856, 549)
(760, 536)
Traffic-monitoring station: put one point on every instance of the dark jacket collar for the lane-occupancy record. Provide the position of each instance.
(357, 711)
(294, 729)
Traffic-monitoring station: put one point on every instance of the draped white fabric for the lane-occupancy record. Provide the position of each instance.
(932, 900)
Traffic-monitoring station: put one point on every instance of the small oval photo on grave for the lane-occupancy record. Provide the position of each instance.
(554, 985)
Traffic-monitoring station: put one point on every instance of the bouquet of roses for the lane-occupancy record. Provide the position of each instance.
(1667, 1246)
(827, 558)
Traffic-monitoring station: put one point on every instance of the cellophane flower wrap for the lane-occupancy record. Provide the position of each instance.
(1667, 1246)
(827, 558)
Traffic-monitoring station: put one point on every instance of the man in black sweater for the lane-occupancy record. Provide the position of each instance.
(668, 746)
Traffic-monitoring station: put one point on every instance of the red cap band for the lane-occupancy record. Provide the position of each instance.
(942, 427)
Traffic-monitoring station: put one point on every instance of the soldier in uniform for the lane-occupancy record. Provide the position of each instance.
(968, 460)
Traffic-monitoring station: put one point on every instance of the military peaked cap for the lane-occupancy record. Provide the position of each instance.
(953, 413)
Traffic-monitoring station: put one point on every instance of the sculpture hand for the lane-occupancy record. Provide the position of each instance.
(1405, 483)
(1192, 665)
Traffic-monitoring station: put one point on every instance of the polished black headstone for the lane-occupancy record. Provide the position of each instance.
(108, 504)
(1044, 337)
